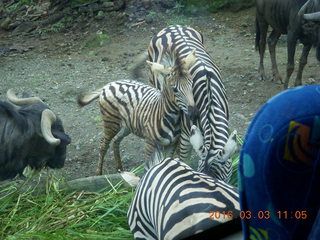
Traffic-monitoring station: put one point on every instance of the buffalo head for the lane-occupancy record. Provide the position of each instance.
(310, 13)
(31, 135)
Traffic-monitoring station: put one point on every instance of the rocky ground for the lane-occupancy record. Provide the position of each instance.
(90, 52)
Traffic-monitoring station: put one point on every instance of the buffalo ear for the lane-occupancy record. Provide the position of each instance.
(65, 139)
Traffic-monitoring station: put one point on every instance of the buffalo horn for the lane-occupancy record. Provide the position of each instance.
(303, 8)
(47, 119)
(12, 97)
(312, 16)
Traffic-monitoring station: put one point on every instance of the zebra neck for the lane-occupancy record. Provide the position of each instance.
(169, 102)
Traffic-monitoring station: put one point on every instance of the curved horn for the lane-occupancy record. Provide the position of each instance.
(12, 97)
(303, 8)
(312, 16)
(47, 119)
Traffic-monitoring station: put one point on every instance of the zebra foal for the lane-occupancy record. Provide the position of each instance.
(172, 201)
(209, 94)
(128, 107)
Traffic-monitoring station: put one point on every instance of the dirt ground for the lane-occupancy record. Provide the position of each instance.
(57, 67)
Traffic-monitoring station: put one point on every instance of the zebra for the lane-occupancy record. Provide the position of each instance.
(128, 106)
(172, 201)
(209, 94)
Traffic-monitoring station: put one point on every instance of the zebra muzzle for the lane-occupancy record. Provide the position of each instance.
(193, 113)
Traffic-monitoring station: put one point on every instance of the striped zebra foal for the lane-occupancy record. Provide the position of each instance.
(174, 202)
(128, 107)
(209, 94)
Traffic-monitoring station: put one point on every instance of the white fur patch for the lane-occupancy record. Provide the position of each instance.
(231, 146)
(196, 139)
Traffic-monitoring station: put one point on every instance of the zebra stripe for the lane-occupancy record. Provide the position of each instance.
(173, 202)
(128, 107)
(209, 94)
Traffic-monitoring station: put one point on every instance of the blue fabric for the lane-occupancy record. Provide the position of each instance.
(315, 232)
(279, 169)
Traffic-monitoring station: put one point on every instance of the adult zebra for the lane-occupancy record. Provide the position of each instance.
(172, 201)
(209, 94)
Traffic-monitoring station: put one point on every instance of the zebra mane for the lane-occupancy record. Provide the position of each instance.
(178, 66)
(168, 58)
(172, 58)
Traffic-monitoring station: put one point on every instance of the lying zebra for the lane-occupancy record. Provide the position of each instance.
(129, 106)
(174, 202)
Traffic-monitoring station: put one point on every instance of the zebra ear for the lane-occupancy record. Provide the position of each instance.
(190, 60)
(231, 146)
(159, 68)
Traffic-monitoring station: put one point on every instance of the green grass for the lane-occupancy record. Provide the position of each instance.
(17, 5)
(96, 40)
(178, 19)
(60, 215)
(235, 163)
(56, 214)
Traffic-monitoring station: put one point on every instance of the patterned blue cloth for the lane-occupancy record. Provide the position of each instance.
(279, 169)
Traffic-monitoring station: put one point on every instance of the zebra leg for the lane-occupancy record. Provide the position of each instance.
(170, 149)
(109, 133)
(116, 144)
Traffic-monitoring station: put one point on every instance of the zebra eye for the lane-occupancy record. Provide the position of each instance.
(175, 89)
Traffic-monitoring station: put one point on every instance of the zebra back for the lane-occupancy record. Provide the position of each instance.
(208, 90)
(172, 202)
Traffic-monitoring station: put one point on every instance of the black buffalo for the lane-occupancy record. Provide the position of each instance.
(300, 20)
(30, 135)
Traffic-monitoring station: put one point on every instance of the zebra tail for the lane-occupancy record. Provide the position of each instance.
(136, 67)
(85, 99)
(156, 157)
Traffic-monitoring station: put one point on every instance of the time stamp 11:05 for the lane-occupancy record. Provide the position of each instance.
(258, 214)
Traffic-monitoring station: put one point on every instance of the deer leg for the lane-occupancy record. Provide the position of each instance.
(302, 64)
(263, 27)
(272, 42)
(291, 48)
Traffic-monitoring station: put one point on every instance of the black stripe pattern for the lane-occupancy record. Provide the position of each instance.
(173, 202)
